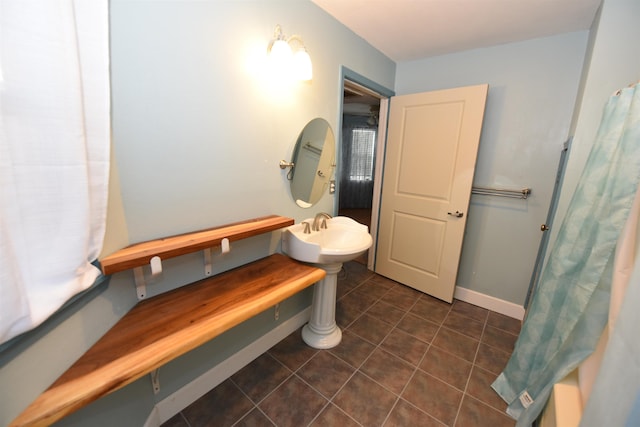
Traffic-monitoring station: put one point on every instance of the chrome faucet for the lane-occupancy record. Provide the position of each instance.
(317, 225)
(306, 227)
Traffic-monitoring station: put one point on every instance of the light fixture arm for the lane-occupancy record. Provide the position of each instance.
(298, 39)
(277, 35)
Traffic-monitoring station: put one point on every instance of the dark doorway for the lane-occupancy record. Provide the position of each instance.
(359, 133)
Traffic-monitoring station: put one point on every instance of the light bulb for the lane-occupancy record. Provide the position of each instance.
(302, 68)
(281, 53)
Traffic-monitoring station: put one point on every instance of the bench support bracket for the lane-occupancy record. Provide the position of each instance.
(155, 380)
(141, 285)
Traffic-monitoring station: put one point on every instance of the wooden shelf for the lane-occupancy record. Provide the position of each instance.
(140, 254)
(164, 327)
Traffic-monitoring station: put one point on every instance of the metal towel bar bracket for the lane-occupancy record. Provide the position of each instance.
(502, 192)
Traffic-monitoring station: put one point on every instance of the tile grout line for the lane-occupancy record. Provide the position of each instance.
(357, 368)
(416, 368)
(473, 365)
(295, 373)
(376, 347)
(184, 418)
(360, 286)
(330, 400)
(256, 404)
(370, 354)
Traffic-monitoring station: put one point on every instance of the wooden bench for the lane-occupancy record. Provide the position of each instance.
(161, 328)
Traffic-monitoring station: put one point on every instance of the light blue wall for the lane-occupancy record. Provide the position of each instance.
(198, 128)
(613, 63)
(532, 91)
(198, 132)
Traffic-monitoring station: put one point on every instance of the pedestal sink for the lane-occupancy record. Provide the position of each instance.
(342, 240)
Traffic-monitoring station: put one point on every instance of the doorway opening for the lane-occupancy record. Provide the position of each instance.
(361, 150)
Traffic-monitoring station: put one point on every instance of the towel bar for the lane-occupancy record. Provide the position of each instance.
(502, 192)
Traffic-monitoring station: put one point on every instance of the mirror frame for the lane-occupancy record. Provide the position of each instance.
(314, 162)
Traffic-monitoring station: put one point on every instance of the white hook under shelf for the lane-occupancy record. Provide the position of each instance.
(156, 266)
(224, 246)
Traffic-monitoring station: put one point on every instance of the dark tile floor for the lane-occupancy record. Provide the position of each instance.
(406, 359)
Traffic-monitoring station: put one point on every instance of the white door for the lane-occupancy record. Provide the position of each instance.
(430, 160)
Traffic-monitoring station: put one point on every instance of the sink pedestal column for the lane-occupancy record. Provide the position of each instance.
(322, 331)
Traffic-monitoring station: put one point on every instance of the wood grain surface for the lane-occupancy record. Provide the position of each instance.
(164, 327)
(168, 247)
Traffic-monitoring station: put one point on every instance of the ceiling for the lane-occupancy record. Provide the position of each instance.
(406, 30)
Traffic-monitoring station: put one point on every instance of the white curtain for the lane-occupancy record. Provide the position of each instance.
(54, 154)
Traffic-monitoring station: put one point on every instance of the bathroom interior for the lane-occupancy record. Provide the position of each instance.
(199, 128)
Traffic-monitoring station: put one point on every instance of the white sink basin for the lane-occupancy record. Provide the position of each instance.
(343, 240)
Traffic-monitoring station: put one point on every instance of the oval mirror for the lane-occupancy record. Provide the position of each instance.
(314, 160)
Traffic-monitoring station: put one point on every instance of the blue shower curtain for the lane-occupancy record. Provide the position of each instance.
(570, 307)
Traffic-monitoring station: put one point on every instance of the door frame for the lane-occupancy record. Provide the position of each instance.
(385, 94)
(544, 241)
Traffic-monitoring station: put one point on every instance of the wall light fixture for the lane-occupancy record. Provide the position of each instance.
(290, 55)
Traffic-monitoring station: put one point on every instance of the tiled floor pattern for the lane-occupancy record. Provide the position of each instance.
(406, 359)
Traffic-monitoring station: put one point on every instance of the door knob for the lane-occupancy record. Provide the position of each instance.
(457, 214)
(544, 227)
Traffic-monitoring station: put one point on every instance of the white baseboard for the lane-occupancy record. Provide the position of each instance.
(491, 303)
(176, 402)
